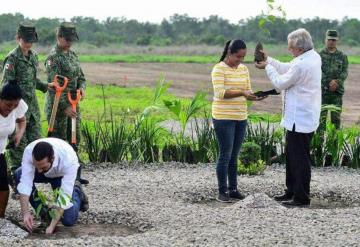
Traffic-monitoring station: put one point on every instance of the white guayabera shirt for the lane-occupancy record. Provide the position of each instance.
(65, 165)
(301, 81)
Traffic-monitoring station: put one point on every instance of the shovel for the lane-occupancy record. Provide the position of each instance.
(58, 90)
(74, 103)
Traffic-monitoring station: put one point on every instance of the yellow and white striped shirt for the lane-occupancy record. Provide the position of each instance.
(227, 78)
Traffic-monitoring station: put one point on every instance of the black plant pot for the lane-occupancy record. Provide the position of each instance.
(189, 156)
(152, 154)
(328, 160)
(104, 156)
(346, 160)
(169, 153)
(201, 156)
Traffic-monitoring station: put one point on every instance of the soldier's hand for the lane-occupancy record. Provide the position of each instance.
(333, 85)
(51, 85)
(70, 113)
(82, 92)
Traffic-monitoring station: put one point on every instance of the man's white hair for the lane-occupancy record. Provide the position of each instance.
(301, 38)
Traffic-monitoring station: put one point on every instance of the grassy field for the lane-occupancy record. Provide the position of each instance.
(149, 58)
(171, 54)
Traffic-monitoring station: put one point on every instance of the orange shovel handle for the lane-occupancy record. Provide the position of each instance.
(74, 103)
(59, 89)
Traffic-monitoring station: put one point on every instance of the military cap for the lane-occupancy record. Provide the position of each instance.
(27, 32)
(332, 34)
(67, 30)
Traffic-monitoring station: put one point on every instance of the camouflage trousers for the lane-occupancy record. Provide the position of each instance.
(334, 116)
(32, 133)
(62, 126)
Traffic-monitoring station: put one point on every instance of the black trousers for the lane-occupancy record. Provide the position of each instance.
(4, 182)
(298, 165)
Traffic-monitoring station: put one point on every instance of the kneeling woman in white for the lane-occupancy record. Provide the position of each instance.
(12, 118)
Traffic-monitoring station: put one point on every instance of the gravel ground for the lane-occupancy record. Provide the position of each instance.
(174, 204)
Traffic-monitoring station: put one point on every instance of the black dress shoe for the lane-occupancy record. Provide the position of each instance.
(284, 197)
(293, 203)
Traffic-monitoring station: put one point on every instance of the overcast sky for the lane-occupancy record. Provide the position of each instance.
(156, 10)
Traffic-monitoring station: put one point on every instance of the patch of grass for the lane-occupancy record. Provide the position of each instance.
(151, 58)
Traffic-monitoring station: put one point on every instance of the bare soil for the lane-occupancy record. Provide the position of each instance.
(189, 78)
(84, 230)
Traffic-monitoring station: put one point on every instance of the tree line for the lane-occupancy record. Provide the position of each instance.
(181, 30)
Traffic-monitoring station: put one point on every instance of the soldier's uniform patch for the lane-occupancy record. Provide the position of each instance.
(9, 66)
(49, 63)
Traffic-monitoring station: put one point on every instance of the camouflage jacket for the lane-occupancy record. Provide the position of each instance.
(334, 66)
(24, 70)
(65, 64)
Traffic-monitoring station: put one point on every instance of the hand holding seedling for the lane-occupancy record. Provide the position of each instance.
(57, 214)
(261, 65)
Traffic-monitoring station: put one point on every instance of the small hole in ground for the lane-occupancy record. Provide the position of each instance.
(83, 230)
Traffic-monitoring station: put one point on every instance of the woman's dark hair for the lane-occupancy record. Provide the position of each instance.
(43, 150)
(10, 91)
(232, 46)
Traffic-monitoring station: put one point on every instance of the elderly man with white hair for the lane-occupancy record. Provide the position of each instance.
(300, 81)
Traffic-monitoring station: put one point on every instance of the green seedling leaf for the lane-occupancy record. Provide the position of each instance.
(38, 209)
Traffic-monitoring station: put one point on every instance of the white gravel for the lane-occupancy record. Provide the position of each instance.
(173, 204)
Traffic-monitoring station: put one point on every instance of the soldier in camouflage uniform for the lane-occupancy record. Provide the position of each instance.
(21, 64)
(334, 73)
(63, 61)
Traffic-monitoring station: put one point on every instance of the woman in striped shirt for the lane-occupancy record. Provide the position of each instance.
(232, 89)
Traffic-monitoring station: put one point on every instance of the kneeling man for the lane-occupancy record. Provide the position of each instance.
(54, 161)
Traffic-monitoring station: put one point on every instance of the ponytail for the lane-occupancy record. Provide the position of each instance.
(225, 51)
(232, 46)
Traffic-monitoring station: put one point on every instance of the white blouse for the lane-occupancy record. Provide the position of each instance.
(7, 124)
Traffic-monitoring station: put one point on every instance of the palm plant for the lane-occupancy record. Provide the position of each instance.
(93, 144)
(201, 141)
(351, 153)
(334, 144)
(115, 138)
(182, 113)
(266, 137)
(148, 135)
